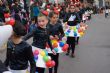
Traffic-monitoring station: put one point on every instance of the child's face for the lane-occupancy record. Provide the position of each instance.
(42, 21)
(1, 3)
(72, 9)
(33, 21)
(67, 10)
(54, 19)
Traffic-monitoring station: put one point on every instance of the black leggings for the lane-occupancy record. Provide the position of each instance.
(56, 59)
(40, 70)
(77, 40)
(71, 42)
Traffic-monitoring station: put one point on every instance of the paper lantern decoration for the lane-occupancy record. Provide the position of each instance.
(66, 33)
(46, 52)
(79, 30)
(61, 44)
(65, 47)
(45, 13)
(71, 28)
(53, 63)
(68, 30)
(75, 29)
(42, 60)
(42, 53)
(49, 64)
(36, 57)
(11, 22)
(81, 34)
(55, 45)
(75, 34)
(36, 52)
(56, 49)
(45, 58)
(54, 41)
(6, 15)
(56, 11)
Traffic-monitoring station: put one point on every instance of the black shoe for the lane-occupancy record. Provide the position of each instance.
(77, 42)
(72, 55)
(67, 54)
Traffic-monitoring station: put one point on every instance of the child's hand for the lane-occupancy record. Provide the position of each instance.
(56, 37)
(53, 51)
(51, 37)
(65, 23)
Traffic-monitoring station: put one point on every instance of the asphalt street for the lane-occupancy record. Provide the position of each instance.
(93, 51)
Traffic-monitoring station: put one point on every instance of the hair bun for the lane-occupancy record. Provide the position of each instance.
(19, 29)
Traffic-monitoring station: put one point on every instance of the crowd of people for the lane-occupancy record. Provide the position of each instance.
(56, 26)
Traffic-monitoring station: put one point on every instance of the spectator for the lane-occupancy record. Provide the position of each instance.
(32, 26)
(35, 11)
(17, 15)
(2, 9)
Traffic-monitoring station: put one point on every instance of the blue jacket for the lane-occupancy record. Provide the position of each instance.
(36, 11)
(32, 27)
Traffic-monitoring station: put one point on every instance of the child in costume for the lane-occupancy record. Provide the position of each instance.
(72, 20)
(40, 37)
(19, 53)
(56, 33)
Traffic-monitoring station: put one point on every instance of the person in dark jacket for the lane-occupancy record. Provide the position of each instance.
(35, 11)
(10, 4)
(17, 15)
(2, 9)
(72, 19)
(56, 32)
(40, 37)
(19, 53)
(16, 6)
